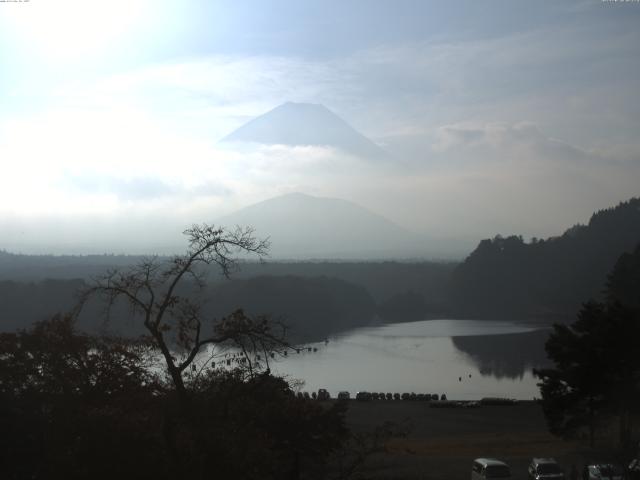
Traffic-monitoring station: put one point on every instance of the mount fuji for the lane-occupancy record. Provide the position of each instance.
(297, 124)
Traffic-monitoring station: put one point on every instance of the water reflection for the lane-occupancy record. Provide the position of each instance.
(506, 355)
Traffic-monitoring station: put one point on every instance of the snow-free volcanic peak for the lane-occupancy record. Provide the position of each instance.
(305, 226)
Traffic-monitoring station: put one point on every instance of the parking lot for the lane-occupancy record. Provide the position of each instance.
(441, 443)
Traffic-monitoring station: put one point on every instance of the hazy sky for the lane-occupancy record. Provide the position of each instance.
(501, 116)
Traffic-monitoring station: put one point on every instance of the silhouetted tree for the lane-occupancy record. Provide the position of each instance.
(173, 319)
(264, 430)
(77, 406)
(597, 368)
(624, 281)
(160, 295)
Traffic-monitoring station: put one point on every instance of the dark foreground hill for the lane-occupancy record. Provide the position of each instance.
(507, 277)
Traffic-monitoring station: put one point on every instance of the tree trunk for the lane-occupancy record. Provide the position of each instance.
(592, 421)
(174, 371)
(294, 473)
(169, 433)
(625, 428)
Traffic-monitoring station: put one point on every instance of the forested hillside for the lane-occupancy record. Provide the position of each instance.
(312, 307)
(382, 279)
(507, 277)
(318, 297)
(504, 277)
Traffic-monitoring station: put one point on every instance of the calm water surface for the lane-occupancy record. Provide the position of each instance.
(465, 359)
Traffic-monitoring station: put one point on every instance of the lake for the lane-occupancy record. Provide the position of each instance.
(465, 359)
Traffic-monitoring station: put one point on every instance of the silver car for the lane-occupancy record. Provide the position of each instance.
(489, 468)
(545, 469)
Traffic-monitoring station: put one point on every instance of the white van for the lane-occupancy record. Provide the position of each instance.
(486, 468)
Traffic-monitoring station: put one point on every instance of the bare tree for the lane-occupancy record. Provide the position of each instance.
(174, 320)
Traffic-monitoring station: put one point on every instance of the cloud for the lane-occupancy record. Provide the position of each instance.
(112, 160)
(129, 189)
(449, 137)
(506, 141)
(213, 95)
(572, 79)
(521, 132)
(140, 189)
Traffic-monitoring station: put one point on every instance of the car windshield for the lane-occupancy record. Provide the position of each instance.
(547, 468)
(497, 471)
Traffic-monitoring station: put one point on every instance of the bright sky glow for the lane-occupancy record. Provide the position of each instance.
(61, 31)
(523, 120)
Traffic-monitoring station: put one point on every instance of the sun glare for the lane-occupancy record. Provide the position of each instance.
(67, 30)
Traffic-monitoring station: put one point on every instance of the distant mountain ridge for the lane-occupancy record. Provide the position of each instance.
(304, 226)
(505, 276)
(305, 124)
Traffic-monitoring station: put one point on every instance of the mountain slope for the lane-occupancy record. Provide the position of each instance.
(507, 277)
(306, 124)
(303, 226)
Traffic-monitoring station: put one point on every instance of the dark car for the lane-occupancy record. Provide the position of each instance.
(603, 471)
(363, 396)
(344, 395)
(323, 394)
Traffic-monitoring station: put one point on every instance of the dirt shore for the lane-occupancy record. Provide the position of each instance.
(441, 443)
